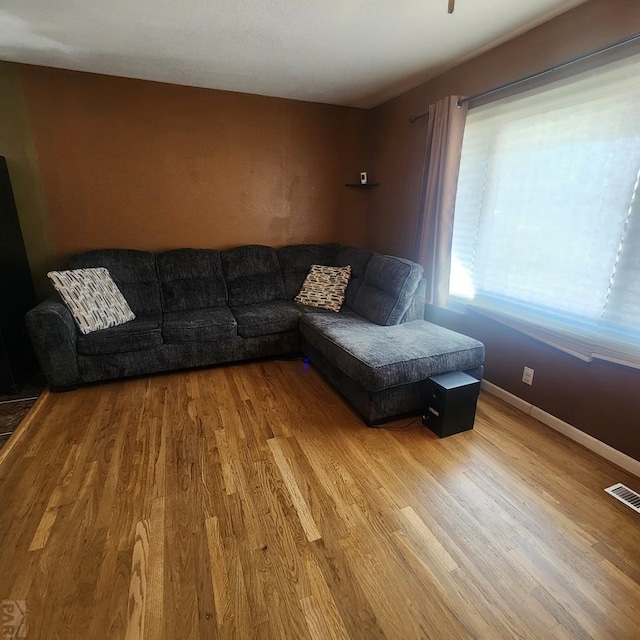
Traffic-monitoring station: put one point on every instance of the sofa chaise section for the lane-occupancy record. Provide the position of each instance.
(380, 354)
(382, 370)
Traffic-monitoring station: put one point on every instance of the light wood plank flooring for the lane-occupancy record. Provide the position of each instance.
(248, 501)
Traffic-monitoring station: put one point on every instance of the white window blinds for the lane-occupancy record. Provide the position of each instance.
(547, 219)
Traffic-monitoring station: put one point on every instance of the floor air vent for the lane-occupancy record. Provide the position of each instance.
(626, 495)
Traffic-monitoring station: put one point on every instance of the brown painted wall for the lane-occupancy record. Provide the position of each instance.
(17, 147)
(600, 398)
(129, 163)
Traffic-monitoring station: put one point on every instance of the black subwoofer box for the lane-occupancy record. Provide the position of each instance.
(451, 403)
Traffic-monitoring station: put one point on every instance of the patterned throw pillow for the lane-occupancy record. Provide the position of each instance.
(324, 287)
(92, 297)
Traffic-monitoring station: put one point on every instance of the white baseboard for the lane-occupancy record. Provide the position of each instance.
(604, 450)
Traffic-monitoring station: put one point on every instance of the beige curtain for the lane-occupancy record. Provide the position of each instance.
(445, 129)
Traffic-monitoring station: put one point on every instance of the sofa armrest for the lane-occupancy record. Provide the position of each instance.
(53, 334)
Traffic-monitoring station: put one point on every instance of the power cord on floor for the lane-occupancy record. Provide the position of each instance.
(405, 427)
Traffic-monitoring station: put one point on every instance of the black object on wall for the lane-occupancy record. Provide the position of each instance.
(17, 359)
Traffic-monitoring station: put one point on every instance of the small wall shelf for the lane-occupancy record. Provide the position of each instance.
(358, 185)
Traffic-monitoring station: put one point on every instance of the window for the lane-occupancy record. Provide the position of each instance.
(547, 220)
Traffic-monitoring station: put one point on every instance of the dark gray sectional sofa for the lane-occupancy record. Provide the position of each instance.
(199, 307)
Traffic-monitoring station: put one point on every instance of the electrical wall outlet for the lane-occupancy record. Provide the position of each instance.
(527, 375)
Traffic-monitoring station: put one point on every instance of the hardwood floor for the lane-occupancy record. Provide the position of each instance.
(249, 502)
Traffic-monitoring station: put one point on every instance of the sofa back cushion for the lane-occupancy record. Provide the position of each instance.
(418, 301)
(252, 274)
(133, 271)
(191, 279)
(296, 260)
(358, 259)
(387, 289)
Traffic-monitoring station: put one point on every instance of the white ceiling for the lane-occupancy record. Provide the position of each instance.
(347, 52)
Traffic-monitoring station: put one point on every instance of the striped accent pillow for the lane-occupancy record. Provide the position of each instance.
(324, 287)
(92, 297)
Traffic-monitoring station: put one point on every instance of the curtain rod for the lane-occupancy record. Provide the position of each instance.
(539, 74)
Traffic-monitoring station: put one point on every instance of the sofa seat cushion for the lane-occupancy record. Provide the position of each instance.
(198, 325)
(305, 308)
(265, 318)
(137, 335)
(381, 357)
